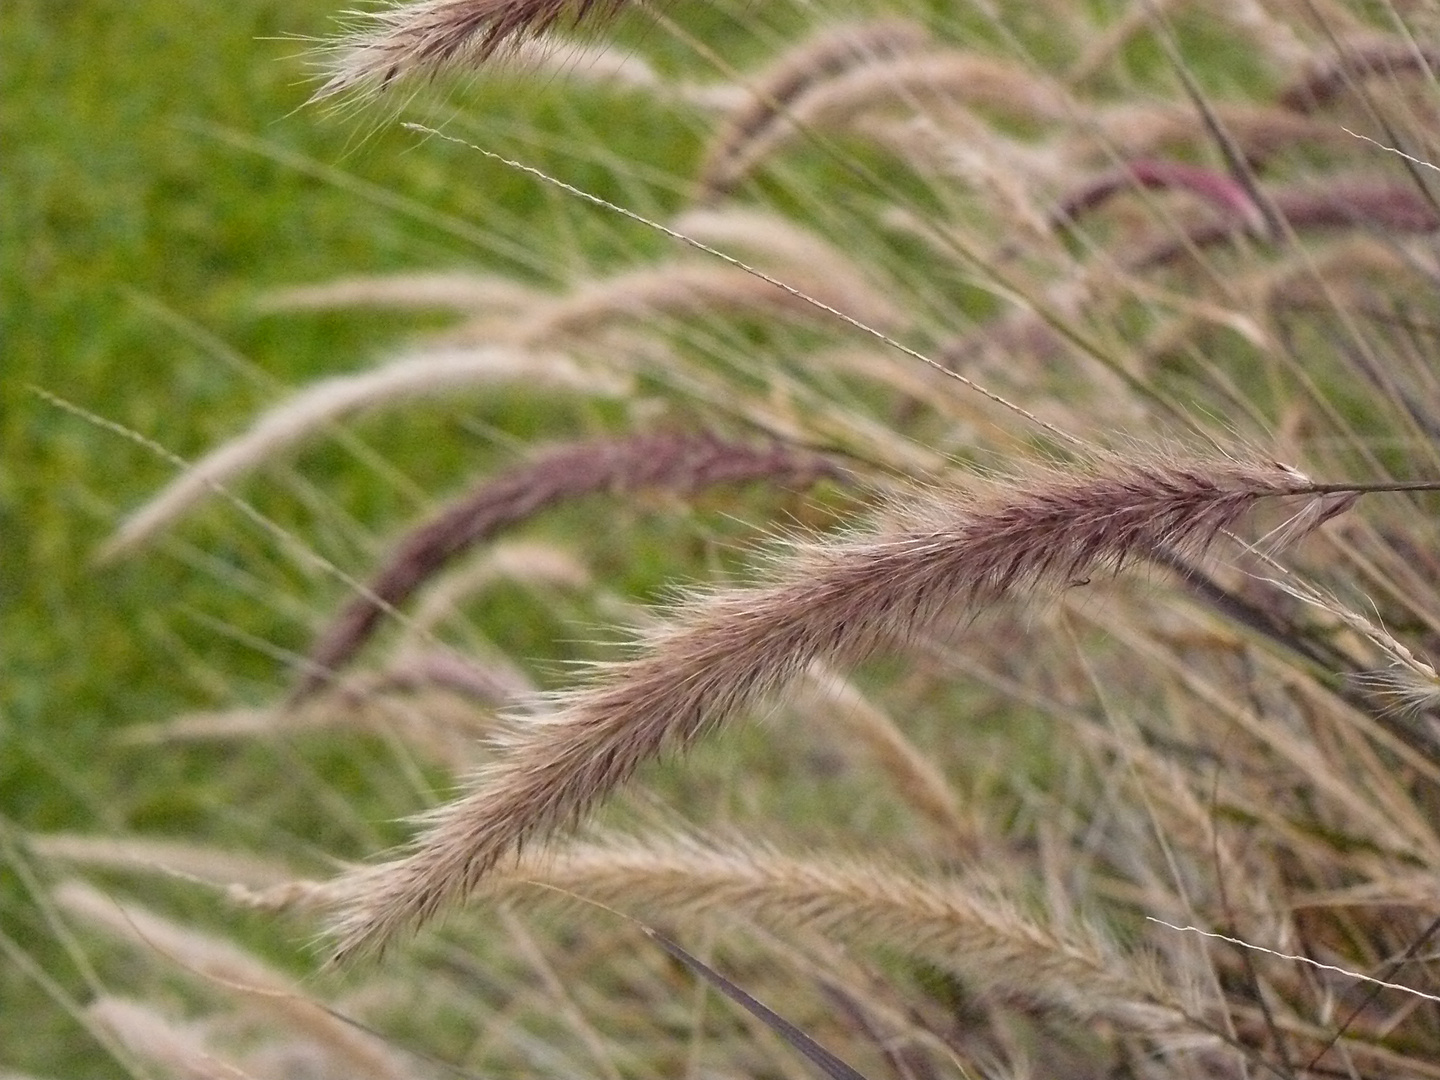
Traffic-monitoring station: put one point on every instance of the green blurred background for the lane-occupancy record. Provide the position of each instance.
(159, 170)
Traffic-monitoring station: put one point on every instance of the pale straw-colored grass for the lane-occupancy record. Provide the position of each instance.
(179, 858)
(441, 714)
(160, 1041)
(687, 289)
(906, 82)
(434, 373)
(464, 293)
(946, 920)
(1232, 747)
(223, 967)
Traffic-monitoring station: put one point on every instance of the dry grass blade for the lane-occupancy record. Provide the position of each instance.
(833, 602)
(426, 36)
(803, 1044)
(676, 462)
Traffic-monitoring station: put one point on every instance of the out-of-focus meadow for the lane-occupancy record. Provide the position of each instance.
(1146, 225)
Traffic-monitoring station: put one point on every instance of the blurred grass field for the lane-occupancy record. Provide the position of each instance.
(160, 172)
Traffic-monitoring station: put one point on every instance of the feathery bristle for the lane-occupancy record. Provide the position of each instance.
(837, 602)
(683, 463)
(944, 920)
(427, 375)
(428, 35)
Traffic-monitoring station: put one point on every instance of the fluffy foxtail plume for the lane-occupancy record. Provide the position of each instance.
(1330, 76)
(958, 924)
(1161, 129)
(432, 34)
(684, 289)
(458, 291)
(907, 80)
(1343, 203)
(834, 602)
(431, 374)
(685, 463)
(1218, 189)
(826, 55)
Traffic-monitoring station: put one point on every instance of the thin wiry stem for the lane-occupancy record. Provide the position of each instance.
(938, 561)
